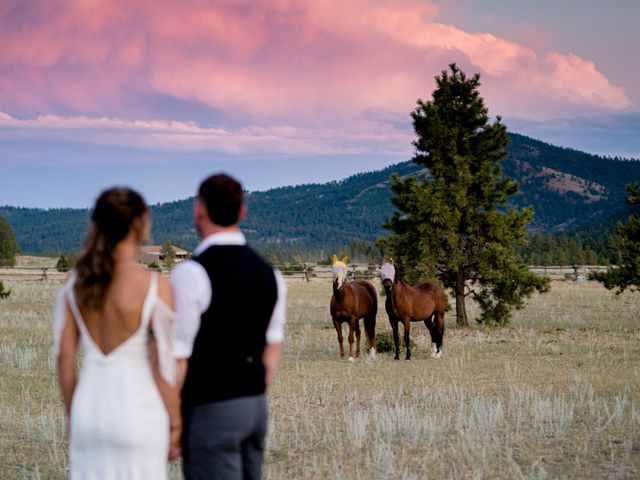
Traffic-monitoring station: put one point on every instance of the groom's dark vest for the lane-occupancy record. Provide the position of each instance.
(226, 361)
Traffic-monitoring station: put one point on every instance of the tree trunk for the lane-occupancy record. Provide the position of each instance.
(461, 310)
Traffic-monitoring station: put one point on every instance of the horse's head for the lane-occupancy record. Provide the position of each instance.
(339, 271)
(388, 274)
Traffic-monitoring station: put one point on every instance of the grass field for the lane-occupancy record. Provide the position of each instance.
(555, 395)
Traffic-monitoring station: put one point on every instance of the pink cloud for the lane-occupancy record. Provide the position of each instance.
(581, 82)
(366, 137)
(306, 62)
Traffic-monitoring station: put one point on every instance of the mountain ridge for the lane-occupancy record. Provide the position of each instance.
(568, 189)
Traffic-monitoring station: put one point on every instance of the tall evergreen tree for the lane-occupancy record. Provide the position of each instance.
(627, 275)
(452, 221)
(8, 244)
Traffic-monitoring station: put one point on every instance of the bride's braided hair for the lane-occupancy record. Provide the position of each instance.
(111, 219)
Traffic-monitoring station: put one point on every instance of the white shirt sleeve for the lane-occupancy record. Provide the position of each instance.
(192, 297)
(275, 331)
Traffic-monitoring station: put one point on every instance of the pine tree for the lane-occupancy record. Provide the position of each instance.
(168, 254)
(452, 221)
(8, 244)
(627, 275)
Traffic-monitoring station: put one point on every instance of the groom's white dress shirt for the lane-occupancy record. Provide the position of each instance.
(192, 296)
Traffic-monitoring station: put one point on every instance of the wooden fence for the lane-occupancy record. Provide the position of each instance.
(310, 272)
(41, 273)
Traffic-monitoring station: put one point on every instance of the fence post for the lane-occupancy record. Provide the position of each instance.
(44, 274)
(306, 272)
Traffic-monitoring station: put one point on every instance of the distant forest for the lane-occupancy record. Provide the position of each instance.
(577, 248)
(577, 197)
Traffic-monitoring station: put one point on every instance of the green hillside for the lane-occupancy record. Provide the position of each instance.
(569, 190)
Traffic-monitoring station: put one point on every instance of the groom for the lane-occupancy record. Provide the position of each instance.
(230, 315)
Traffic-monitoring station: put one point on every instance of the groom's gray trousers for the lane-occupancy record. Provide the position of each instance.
(225, 440)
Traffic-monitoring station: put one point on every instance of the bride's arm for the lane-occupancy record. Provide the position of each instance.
(66, 338)
(171, 397)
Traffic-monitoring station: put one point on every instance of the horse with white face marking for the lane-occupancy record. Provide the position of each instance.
(424, 302)
(350, 302)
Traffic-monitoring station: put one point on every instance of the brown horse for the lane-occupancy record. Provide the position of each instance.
(424, 302)
(350, 302)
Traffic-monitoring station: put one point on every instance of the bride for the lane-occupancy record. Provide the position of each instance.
(123, 409)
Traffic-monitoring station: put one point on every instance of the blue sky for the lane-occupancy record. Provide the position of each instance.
(157, 95)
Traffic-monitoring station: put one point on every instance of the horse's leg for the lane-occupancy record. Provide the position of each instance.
(370, 330)
(439, 329)
(396, 339)
(428, 322)
(338, 326)
(357, 329)
(406, 323)
(351, 332)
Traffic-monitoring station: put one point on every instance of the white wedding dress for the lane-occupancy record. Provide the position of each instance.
(119, 427)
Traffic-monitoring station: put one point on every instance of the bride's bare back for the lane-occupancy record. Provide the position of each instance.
(121, 313)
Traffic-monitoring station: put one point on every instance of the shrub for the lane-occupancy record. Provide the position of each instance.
(153, 266)
(3, 293)
(297, 268)
(64, 263)
(384, 342)
(292, 269)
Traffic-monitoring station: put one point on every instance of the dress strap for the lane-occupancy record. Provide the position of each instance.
(71, 300)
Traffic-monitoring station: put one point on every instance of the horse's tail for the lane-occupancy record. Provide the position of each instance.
(445, 300)
(370, 319)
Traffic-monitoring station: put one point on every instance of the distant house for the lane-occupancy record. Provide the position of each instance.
(151, 253)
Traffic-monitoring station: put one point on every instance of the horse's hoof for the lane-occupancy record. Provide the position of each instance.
(373, 354)
(396, 358)
(351, 359)
(438, 355)
(408, 358)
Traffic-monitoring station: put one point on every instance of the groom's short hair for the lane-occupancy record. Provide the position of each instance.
(222, 196)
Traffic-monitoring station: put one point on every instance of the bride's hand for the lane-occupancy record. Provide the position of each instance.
(175, 441)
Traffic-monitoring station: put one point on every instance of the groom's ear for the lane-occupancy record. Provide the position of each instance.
(199, 211)
(242, 214)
